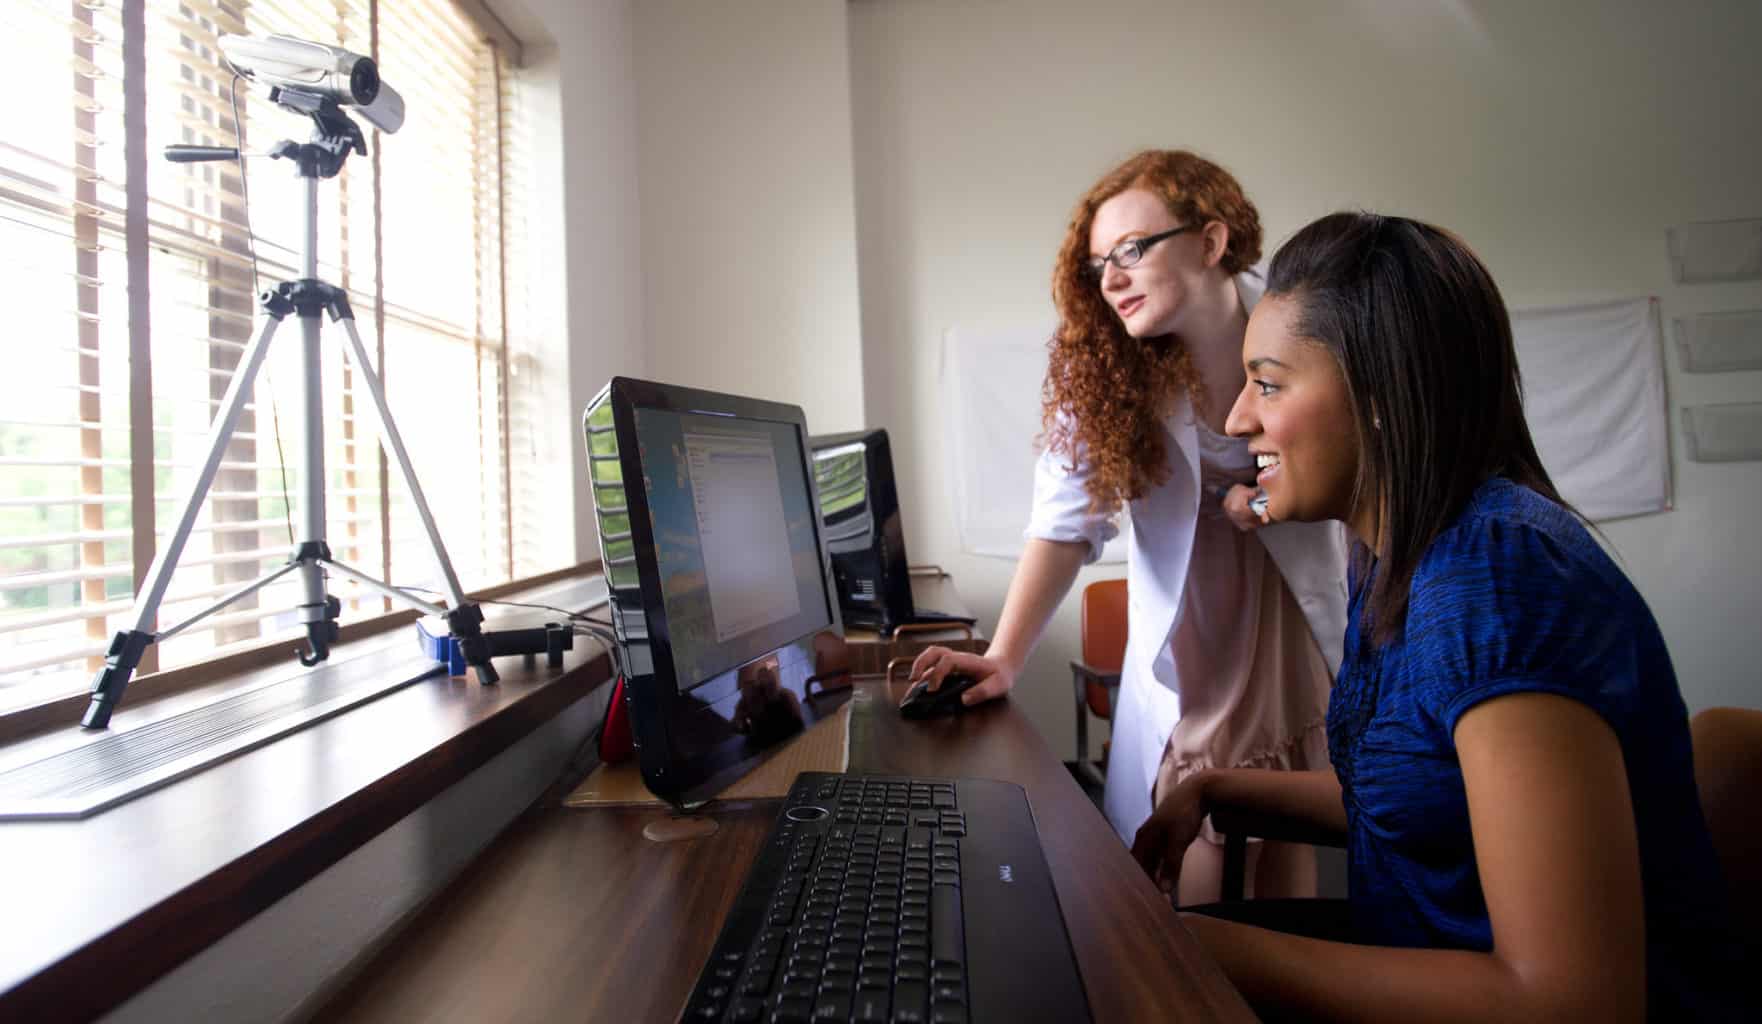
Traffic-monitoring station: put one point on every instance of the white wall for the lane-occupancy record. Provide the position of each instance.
(789, 151)
(748, 219)
(587, 288)
(1560, 139)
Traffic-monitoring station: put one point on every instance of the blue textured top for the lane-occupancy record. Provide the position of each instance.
(1515, 596)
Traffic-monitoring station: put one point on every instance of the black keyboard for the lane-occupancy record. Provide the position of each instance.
(897, 900)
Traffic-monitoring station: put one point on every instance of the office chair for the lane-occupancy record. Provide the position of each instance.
(1728, 772)
(1095, 681)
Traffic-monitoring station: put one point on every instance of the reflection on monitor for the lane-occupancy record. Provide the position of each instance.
(859, 505)
(721, 586)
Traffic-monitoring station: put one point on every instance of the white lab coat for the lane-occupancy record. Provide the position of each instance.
(1310, 556)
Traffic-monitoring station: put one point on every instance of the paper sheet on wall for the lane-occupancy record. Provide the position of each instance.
(991, 385)
(1593, 382)
(1594, 395)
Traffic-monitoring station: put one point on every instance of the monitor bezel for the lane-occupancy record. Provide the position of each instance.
(684, 753)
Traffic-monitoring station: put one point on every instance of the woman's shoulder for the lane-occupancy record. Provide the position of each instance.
(1514, 561)
(1508, 530)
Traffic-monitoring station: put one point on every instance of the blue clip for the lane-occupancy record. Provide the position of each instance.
(442, 646)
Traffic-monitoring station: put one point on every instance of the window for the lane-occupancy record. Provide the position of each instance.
(128, 283)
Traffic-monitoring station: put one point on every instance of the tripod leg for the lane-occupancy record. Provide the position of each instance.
(465, 618)
(317, 609)
(127, 645)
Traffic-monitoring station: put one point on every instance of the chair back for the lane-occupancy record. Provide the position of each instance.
(1104, 637)
(1728, 772)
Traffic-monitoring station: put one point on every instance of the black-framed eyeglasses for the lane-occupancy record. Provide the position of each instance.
(1128, 253)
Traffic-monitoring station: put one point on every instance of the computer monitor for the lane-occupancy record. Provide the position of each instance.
(720, 582)
(859, 506)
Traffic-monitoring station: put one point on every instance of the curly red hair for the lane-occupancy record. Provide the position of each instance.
(1105, 390)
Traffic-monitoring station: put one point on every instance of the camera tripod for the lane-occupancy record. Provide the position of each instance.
(333, 139)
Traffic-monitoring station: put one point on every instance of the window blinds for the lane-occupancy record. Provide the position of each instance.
(422, 233)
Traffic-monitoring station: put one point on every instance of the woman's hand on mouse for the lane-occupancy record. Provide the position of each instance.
(935, 663)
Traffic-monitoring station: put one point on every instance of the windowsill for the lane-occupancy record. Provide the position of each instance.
(99, 908)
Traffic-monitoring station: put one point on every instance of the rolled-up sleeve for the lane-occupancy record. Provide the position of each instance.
(1061, 506)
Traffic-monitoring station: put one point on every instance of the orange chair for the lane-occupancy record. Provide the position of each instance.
(1728, 773)
(1095, 680)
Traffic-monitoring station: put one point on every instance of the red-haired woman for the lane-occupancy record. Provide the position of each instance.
(1234, 625)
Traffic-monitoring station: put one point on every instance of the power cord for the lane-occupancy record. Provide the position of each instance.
(238, 139)
(572, 617)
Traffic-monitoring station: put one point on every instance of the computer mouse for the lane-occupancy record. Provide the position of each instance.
(922, 702)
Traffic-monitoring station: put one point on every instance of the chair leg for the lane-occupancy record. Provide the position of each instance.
(1235, 866)
(1086, 769)
(1082, 729)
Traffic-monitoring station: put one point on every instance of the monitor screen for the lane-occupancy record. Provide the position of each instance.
(735, 543)
(722, 602)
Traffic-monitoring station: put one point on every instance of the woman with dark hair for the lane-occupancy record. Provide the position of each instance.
(1510, 751)
(1233, 630)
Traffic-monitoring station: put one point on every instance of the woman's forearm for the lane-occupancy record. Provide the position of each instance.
(1043, 577)
(1310, 979)
(1311, 796)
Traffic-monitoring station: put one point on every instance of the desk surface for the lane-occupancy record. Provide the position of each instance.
(573, 915)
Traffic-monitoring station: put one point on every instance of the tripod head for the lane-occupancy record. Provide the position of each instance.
(312, 79)
(335, 135)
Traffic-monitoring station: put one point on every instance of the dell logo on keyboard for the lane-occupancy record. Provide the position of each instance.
(1004, 874)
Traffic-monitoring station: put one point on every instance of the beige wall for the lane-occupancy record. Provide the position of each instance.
(748, 218)
(1560, 139)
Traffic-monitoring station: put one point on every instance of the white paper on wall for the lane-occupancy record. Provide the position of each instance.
(1729, 432)
(1720, 342)
(1593, 383)
(1721, 250)
(991, 398)
(1593, 393)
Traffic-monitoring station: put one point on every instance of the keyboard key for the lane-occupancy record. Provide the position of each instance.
(870, 1006)
(908, 1002)
(793, 1011)
(948, 1013)
(834, 1006)
(947, 930)
(746, 1010)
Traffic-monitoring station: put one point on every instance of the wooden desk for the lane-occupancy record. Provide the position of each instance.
(572, 915)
